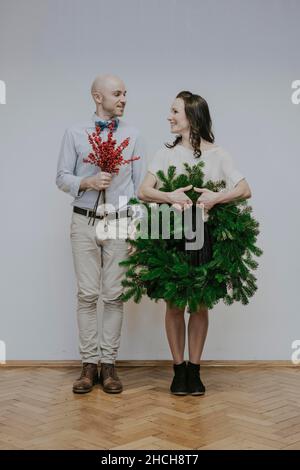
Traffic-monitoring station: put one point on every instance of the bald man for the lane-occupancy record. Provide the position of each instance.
(97, 265)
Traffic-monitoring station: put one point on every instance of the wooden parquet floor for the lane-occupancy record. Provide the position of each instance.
(244, 408)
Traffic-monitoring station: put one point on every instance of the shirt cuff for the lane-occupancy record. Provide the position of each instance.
(74, 189)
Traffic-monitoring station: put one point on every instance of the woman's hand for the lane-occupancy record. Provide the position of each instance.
(131, 249)
(207, 199)
(179, 199)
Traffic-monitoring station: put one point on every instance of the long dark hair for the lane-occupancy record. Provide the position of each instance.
(198, 115)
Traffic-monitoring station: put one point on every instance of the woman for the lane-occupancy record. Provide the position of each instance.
(191, 122)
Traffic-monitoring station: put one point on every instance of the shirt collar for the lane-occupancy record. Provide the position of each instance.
(95, 118)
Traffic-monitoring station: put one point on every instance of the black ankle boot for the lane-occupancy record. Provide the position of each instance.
(179, 384)
(194, 384)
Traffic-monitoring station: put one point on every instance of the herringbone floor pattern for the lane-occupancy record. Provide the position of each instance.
(244, 408)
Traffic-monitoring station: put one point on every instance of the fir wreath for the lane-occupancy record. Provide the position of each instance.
(162, 271)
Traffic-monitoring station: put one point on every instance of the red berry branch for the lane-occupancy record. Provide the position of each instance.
(107, 156)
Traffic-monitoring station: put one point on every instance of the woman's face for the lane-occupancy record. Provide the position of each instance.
(177, 117)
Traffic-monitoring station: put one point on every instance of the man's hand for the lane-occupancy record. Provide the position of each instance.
(179, 199)
(207, 199)
(99, 181)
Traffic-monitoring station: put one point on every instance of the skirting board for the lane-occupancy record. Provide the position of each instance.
(154, 363)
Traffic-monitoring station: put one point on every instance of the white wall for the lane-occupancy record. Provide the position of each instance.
(242, 56)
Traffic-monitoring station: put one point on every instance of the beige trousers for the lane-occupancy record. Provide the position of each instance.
(98, 273)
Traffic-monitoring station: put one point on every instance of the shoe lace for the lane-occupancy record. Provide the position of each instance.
(110, 371)
(86, 368)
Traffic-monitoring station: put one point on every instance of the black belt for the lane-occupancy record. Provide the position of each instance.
(112, 215)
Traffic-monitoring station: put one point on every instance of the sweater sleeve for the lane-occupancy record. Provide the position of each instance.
(231, 174)
(156, 163)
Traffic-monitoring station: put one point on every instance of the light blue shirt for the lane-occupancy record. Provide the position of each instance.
(71, 169)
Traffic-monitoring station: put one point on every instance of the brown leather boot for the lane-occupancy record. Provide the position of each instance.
(87, 379)
(109, 379)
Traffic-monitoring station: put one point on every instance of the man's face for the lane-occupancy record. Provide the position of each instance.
(114, 98)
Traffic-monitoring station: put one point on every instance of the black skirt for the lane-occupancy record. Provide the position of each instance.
(204, 255)
(199, 256)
